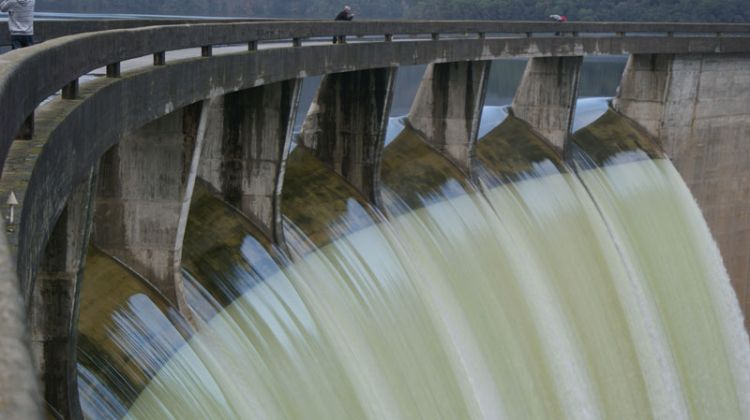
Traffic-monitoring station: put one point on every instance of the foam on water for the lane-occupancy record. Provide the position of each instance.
(528, 301)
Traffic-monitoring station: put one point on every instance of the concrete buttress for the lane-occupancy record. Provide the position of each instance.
(246, 148)
(448, 108)
(346, 123)
(546, 97)
(698, 106)
(643, 88)
(53, 312)
(143, 197)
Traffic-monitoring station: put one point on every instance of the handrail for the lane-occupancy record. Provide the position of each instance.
(47, 29)
(27, 78)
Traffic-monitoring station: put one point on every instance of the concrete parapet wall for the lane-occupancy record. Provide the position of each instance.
(448, 107)
(546, 98)
(345, 126)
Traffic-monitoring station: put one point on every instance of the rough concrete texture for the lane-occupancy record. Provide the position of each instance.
(704, 127)
(19, 392)
(643, 89)
(706, 132)
(345, 126)
(143, 197)
(448, 107)
(78, 132)
(245, 157)
(26, 82)
(53, 313)
(546, 97)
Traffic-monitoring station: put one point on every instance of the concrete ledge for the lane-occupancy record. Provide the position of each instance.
(25, 79)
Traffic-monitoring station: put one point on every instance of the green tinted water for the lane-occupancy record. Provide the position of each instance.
(528, 300)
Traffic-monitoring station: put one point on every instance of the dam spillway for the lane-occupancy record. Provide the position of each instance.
(532, 292)
(172, 185)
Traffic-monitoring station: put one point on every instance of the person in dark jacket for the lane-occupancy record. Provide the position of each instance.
(345, 15)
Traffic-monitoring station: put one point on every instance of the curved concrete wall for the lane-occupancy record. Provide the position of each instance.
(71, 140)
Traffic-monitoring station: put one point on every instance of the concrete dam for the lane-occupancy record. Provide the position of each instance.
(177, 250)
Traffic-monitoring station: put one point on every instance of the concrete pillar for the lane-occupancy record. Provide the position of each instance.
(705, 130)
(546, 97)
(53, 311)
(246, 148)
(19, 390)
(346, 125)
(642, 92)
(448, 107)
(143, 198)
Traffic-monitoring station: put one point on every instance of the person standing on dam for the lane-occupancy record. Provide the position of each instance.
(344, 15)
(20, 21)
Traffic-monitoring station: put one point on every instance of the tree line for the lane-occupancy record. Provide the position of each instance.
(582, 10)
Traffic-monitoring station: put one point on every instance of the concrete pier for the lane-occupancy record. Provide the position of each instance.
(143, 197)
(642, 92)
(698, 106)
(547, 96)
(345, 126)
(53, 316)
(448, 108)
(248, 138)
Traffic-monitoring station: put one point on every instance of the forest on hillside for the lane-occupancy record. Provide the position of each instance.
(584, 10)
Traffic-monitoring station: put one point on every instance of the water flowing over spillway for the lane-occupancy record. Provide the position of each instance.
(527, 291)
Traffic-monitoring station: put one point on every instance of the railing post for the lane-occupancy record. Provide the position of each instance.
(296, 42)
(252, 45)
(528, 34)
(482, 35)
(206, 51)
(70, 91)
(113, 70)
(160, 58)
(388, 37)
(435, 36)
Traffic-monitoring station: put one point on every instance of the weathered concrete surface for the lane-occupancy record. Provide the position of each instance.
(45, 30)
(706, 131)
(345, 126)
(143, 198)
(26, 82)
(643, 88)
(53, 313)
(705, 128)
(546, 97)
(73, 135)
(448, 107)
(19, 391)
(246, 148)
